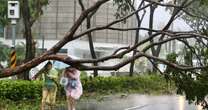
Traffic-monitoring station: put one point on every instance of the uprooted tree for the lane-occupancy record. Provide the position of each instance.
(195, 89)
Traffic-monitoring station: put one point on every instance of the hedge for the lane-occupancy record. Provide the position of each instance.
(20, 89)
(140, 84)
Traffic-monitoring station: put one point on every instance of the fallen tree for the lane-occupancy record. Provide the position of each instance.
(163, 35)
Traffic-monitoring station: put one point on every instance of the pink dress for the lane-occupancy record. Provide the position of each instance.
(77, 91)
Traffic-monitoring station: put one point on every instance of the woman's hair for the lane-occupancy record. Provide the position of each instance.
(47, 64)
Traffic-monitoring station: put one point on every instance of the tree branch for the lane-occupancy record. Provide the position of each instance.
(173, 65)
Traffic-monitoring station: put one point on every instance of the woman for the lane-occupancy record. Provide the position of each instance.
(50, 75)
(73, 87)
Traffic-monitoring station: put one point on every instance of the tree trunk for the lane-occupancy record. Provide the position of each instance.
(151, 20)
(131, 69)
(92, 50)
(30, 44)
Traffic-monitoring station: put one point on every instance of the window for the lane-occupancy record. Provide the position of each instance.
(1, 31)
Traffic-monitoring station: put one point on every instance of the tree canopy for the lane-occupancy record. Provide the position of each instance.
(35, 10)
(196, 15)
(3, 12)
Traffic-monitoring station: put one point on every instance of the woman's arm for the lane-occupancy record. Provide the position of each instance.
(63, 73)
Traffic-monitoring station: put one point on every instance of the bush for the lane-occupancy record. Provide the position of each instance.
(140, 84)
(20, 89)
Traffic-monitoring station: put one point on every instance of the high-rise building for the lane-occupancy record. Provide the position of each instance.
(60, 15)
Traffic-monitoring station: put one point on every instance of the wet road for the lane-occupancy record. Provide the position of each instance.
(138, 102)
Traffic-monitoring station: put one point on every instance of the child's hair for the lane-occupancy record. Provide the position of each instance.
(70, 68)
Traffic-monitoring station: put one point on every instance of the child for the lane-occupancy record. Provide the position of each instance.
(73, 87)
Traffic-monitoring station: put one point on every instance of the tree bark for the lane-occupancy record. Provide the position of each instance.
(131, 69)
(91, 45)
(30, 44)
(151, 21)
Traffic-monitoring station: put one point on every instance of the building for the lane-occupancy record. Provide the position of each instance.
(60, 15)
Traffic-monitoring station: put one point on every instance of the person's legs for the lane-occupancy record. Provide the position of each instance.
(70, 103)
(44, 96)
(73, 103)
(52, 97)
(49, 99)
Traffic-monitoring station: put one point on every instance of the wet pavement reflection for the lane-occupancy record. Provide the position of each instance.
(138, 102)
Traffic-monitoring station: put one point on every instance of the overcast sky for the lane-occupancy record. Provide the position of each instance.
(161, 17)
